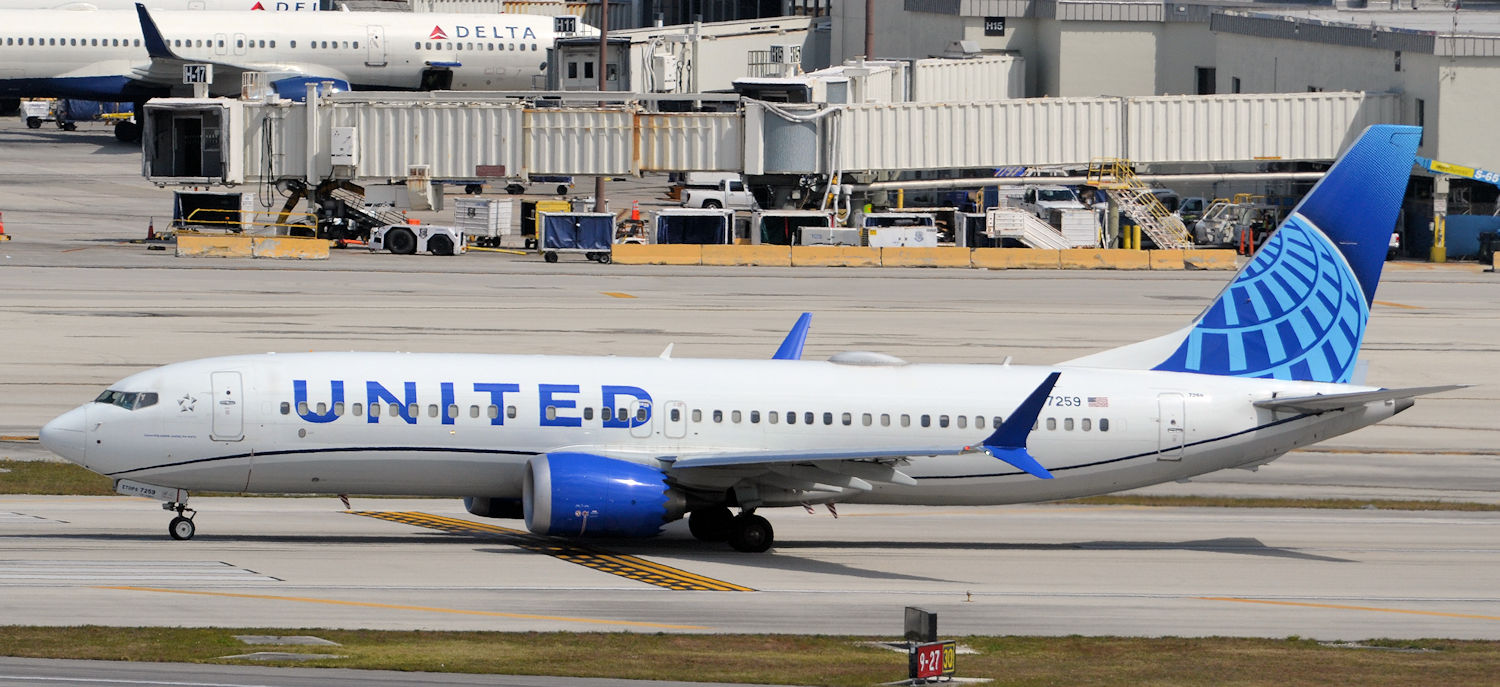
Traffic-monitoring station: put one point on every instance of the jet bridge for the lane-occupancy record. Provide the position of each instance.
(365, 138)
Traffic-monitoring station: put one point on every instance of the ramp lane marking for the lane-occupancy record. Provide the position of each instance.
(622, 565)
(1343, 607)
(616, 294)
(404, 607)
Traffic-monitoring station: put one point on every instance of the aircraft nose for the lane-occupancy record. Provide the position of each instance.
(64, 435)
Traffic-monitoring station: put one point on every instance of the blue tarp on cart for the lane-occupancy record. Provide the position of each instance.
(564, 231)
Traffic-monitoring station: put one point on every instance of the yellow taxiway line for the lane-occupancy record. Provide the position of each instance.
(1343, 607)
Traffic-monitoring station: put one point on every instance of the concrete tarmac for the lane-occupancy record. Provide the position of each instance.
(81, 308)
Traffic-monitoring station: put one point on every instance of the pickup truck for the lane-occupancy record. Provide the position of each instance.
(727, 193)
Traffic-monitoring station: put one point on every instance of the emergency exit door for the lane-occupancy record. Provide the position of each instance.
(374, 46)
(1173, 429)
(228, 407)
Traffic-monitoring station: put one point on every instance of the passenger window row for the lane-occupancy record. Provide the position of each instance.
(86, 42)
(886, 419)
(473, 47)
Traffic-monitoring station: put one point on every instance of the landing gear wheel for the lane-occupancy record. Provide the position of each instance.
(181, 528)
(711, 524)
(550, 257)
(750, 533)
(128, 132)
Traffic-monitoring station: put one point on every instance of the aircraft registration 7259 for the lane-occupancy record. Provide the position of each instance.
(606, 446)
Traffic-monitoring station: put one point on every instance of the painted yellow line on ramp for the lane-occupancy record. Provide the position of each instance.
(616, 294)
(402, 607)
(1343, 607)
(1400, 305)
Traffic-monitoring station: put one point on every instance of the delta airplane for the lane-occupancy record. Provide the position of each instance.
(215, 5)
(135, 55)
(618, 447)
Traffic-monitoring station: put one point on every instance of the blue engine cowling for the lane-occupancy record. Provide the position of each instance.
(580, 494)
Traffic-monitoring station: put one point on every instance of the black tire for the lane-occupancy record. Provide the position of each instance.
(128, 132)
(33, 122)
(515, 189)
(474, 189)
(549, 256)
(562, 190)
(181, 529)
(605, 259)
(67, 126)
(530, 244)
(751, 533)
(711, 524)
(440, 245)
(401, 241)
(712, 204)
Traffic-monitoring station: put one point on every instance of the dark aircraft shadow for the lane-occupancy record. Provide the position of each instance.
(1235, 545)
(768, 561)
(103, 141)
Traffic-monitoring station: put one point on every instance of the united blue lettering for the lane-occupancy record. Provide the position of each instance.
(547, 398)
(375, 393)
(497, 398)
(304, 410)
(612, 396)
(447, 391)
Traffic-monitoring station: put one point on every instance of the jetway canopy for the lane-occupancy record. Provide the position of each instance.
(463, 137)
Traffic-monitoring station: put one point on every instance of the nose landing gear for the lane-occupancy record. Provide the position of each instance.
(181, 528)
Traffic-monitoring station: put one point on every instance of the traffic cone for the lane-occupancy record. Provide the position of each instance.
(3, 235)
(151, 230)
(635, 211)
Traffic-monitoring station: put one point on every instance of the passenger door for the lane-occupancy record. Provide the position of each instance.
(228, 407)
(374, 46)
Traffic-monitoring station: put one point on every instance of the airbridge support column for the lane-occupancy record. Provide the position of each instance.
(1440, 218)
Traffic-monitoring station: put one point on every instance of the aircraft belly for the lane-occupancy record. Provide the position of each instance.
(394, 472)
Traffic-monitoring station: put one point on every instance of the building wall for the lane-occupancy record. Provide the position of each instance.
(1103, 58)
(1470, 91)
(1183, 47)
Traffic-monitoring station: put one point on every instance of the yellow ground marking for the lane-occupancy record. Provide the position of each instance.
(631, 567)
(403, 607)
(616, 294)
(1343, 607)
(1400, 305)
(18, 437)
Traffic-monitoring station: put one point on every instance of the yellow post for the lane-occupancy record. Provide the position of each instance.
(900, 198)
(1439, 239)
(1135, 236)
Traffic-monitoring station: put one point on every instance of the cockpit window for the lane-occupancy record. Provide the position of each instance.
(128, 400)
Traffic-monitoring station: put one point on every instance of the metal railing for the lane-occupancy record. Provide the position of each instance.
(1117, 177)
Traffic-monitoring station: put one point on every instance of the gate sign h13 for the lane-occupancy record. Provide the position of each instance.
(931, 660)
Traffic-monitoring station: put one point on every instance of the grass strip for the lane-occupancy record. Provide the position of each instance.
(1257, 502)
(811, 660)
(52, 479)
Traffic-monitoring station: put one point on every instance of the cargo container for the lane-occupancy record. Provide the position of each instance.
(688, 225)
(589, 233)
(790, 227)
(484, 222)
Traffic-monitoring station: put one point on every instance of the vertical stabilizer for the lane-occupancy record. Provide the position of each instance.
(1298, 309)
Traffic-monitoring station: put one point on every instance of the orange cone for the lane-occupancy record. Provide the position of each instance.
(151, 230)
(3, 235)
(635, 211)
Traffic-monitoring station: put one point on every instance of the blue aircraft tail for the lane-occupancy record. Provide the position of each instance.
(1298, 309)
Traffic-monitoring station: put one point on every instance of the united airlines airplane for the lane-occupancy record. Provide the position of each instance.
(135, 55)
(218, 5)
(618, 447)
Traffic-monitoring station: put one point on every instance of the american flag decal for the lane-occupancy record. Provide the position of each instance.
(1098, 401)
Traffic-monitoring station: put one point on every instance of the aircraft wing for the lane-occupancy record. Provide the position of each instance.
(1326, 402)
(166, 66)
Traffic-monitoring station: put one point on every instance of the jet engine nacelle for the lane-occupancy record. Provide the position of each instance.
(493, 506)
(580, 494)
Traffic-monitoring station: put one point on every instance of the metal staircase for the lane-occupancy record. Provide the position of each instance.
(1136, 200)
(1014, 223)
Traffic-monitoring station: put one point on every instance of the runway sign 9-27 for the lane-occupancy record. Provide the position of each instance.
(934, 659)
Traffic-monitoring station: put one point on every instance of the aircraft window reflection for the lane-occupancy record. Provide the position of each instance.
(493, 412)
(551, 412)
(239, 42)
(755, 417)
(676, 415)
(432, 410)
(905, 420)
(697, 415)
(926, 420)
(1086, 424)
(338, 408)
(734, 417)
(1051, 423)
(588, 413)
(292, 43)
(791, 417)
(412, 411)
(1104, 424)
(286, 408)
(978, 422)
(963, 422)
(322, 408)
(452, 411)
(827, 418)
(866, 419)
(998, 423)
(943, 421)
(473, 411)
(302, 407)
(1068, 424)
(640, 414)
(356, 45)
(718, 416)
(359, 409)
(375, 409)
(847, 419)
(807, 418)
(510, 412)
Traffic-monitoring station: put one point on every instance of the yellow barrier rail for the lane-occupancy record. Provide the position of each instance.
(241, 224)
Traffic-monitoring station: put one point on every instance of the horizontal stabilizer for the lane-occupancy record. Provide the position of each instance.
(1326, 402)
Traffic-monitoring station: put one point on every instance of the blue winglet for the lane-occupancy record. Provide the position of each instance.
(791, 346)
(156, 46)
(1008, 443)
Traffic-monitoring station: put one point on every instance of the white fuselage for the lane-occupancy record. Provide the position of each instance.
(239, 424)
(102, 55)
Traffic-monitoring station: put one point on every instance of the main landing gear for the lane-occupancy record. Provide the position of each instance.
(746, 532)
(181, 527)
